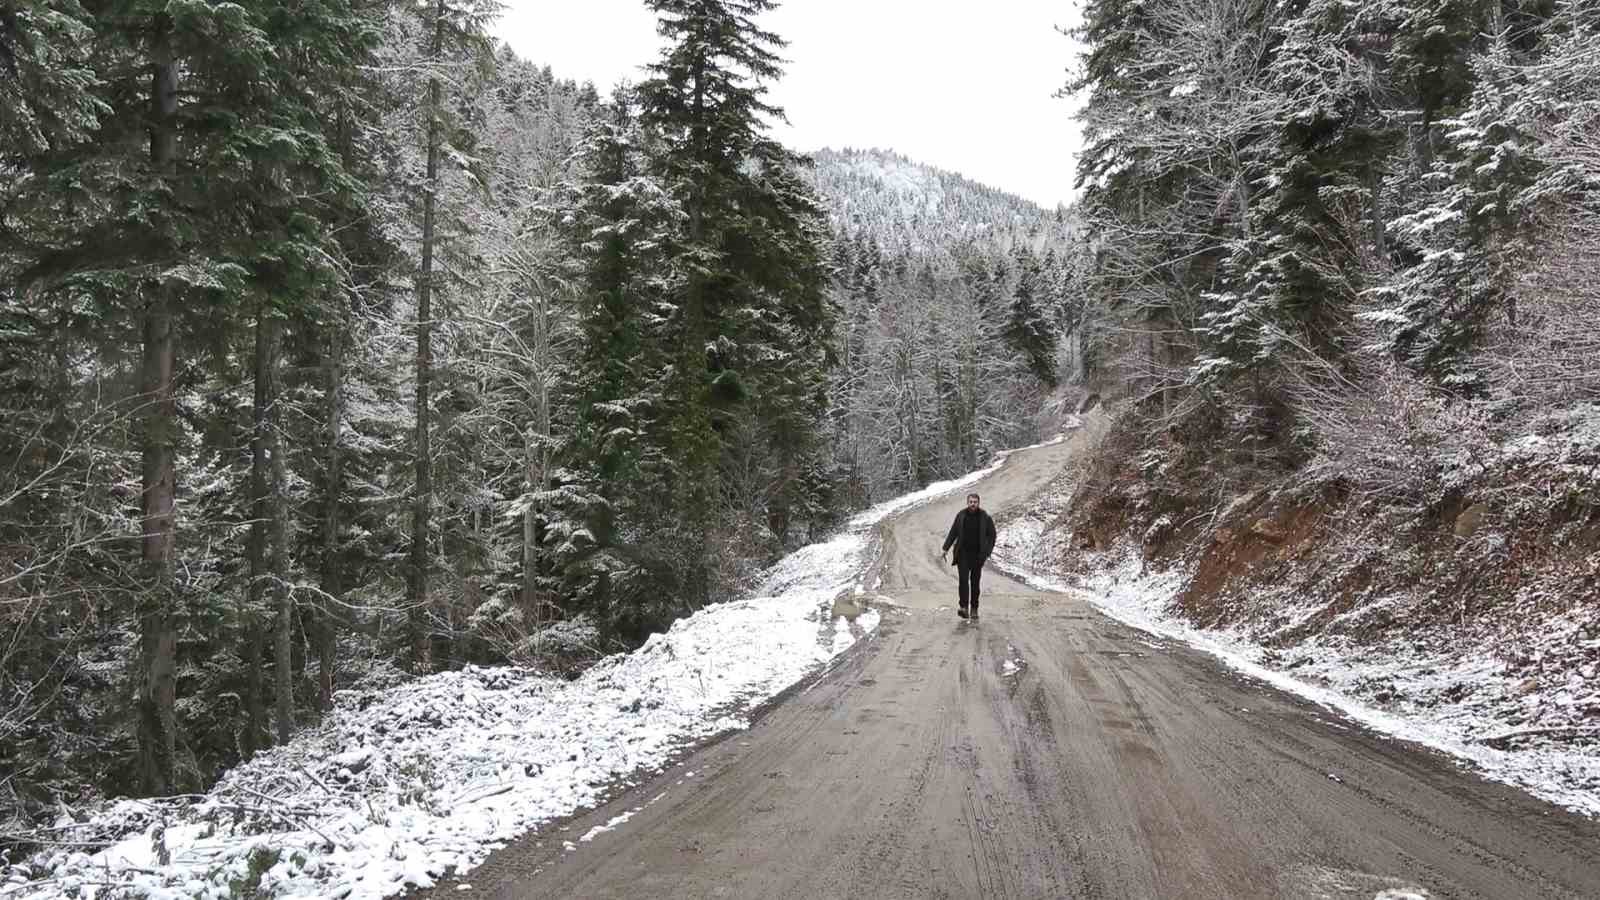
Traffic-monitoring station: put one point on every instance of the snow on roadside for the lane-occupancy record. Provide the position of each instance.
(399, 786)
(396, 787)
(1332, 672)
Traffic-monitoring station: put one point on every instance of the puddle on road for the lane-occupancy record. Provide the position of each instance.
(1013, 663)
(849, 607)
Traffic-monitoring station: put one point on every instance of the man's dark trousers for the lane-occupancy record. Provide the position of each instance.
(968, 577)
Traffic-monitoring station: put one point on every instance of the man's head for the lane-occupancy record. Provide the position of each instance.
(972, 501)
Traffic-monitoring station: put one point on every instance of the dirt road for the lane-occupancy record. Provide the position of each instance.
(1048, 751)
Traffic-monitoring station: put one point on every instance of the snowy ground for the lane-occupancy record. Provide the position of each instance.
(1443, 693)
(397, 787)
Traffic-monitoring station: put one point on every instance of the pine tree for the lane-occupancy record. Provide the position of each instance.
(336, 366)
(623, 226)
(747, 326)
(452, 33)
(1461, 245)
(1299, 272)
(1026, 329)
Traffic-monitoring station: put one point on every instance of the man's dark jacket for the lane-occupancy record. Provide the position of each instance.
(985, 536)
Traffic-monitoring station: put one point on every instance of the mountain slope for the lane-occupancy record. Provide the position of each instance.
(906, 205)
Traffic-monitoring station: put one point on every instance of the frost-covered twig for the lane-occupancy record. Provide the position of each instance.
(293, 816)
(482, 794)
(1501, 741)
(314, 779)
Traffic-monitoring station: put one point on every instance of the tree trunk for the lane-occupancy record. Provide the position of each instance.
(268, 566)
(530, 563)
(261, 511)
(158, 631)
(330, 612)
(254, 649)
(541, 450)
(279, 562)
(1424, 143)
(159, 638)
(421, 504)
(538, 456)
(697, 190)
(969, 404)
(1380, 244)
(327, 633)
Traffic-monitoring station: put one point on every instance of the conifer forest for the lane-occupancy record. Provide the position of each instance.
(340, 346)
(337, 343)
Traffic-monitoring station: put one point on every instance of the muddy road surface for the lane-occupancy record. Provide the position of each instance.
(1047, 751)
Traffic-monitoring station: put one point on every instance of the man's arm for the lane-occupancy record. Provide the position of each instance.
(955, 533)
(989, 535)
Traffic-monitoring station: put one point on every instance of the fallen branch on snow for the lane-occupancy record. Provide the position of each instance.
(1502, 741)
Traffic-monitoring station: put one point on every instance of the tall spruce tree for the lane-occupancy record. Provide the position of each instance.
(453, 39)
(624, 226)
(1027, 329)
(747, 326)
(1459, 247)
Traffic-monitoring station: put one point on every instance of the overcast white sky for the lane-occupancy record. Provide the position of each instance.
(959, 85)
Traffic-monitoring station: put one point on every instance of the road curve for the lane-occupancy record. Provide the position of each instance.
(1048, 751)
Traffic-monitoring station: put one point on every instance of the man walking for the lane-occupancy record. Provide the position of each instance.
(972, 534)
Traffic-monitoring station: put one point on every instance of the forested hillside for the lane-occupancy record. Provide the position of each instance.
(1343, 266)
(952, 301)
(1318, 216)
(907, 206)
(352, 343)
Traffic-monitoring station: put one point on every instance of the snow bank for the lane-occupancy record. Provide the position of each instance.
(400, 786)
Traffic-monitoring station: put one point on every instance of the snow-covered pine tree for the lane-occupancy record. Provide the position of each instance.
(746, 326)
(452, 41)
(1267, 182)
(1463, 236)
(623, 225)
(1180, 103)
(344, 418)
(1539, 228)
(1027, 329)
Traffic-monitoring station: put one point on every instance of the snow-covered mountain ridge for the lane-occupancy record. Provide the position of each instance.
(901, 203)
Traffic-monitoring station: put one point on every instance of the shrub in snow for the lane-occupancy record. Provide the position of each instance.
(571, 635)
(1389, 437)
